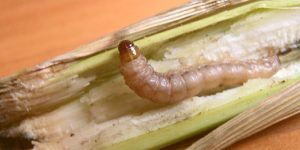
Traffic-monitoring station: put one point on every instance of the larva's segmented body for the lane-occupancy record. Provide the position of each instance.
(174, 87)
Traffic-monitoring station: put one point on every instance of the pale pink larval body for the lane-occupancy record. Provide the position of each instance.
(176, 86)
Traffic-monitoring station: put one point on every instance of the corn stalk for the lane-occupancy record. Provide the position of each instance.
(79, 100)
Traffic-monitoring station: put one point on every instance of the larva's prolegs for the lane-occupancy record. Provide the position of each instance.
(174, 87)
(178, 87)
(193, 80)
(211, 76)
(163, 90)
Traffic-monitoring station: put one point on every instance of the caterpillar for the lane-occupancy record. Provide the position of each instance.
(176, 86)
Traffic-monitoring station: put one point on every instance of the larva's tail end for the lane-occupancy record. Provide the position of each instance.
(128, 51)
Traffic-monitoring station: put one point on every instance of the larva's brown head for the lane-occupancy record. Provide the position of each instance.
(128, 51)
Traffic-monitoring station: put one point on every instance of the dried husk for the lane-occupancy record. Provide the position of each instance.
(65, 86)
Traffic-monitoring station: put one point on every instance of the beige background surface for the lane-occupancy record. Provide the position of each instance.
(32, 31)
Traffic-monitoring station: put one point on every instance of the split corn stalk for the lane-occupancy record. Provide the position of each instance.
(80, 101)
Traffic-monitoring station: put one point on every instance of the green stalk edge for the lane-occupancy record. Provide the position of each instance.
(200, 123)
(108, 61)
